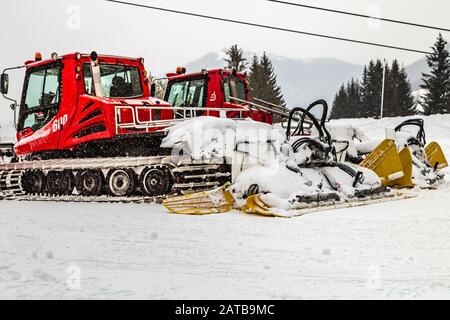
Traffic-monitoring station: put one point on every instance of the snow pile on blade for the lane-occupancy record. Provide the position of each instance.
(344, 135)
(275, 178)
(286, 189)
(211, 137)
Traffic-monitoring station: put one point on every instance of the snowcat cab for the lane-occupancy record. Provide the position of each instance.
(80, 105)
(218, 93)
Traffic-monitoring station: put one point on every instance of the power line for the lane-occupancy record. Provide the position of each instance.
(268, 27)
(360, 15)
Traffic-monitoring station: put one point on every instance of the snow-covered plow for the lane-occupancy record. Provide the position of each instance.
(262, 205)
(435, 156)
(218, 200)
(392, 167)
(295, 172)
(421, 163)
(427, 160)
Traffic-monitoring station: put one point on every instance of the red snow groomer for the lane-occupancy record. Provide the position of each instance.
(217, 92)
(88, 126)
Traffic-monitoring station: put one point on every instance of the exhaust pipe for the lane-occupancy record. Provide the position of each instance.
(96, 76)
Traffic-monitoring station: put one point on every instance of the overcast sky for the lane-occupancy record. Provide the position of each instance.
(167, 40)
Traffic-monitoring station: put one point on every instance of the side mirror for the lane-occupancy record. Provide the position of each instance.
(4, 83)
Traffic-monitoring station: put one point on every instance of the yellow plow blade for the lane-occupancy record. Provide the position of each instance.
(385, 162)
(407, 165)
(255, 205)
(201, 203)
(435, 156)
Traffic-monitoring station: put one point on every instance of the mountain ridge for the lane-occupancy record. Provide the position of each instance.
(305, 80)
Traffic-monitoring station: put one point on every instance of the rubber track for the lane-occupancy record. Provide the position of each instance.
(186, 167)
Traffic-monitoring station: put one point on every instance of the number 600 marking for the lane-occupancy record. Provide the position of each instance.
(59, 123)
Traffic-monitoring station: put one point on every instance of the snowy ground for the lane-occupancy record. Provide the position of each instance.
(7, 132)
(390, 250)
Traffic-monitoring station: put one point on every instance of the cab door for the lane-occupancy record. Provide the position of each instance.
(188, 96)
(40, 103)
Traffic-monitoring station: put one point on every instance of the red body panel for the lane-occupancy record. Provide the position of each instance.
(79, 112)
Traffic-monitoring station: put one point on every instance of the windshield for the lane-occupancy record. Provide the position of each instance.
(118, 81)
(41, 97)
(234, 87)
(187, 93)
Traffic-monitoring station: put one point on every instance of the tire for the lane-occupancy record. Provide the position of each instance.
(34, 182)
(121, 182)
(90, 182)
(60, 182)
(155, 182)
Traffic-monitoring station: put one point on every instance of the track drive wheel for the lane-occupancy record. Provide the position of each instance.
(34, 182)
(60, 182)
(90, 182)
(155, 181)
(121, 182)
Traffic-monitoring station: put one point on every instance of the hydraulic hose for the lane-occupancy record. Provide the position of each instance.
(323, 119)
(421, 138)
(300, 127)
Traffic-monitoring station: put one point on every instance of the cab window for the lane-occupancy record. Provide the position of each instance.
(118, 81)
(41, 99)
(188, 93)
(234, 88)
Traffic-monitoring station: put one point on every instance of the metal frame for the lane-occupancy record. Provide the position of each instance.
(261, 107)
(183, 113)
(179, 114)
(274, 109)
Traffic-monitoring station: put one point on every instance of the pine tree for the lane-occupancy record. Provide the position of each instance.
(340, 101)
(364, 99)
(365, 93)
(405, 97)
(398, 99)
(371, 89)
(254, 76)
(437, 82)
(235, 59)
(377, 83)
(391, 94)
(263, 82)
(271, 91)
(347, 102)
(353, 105)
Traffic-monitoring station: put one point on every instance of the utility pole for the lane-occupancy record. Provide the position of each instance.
(382, 89)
